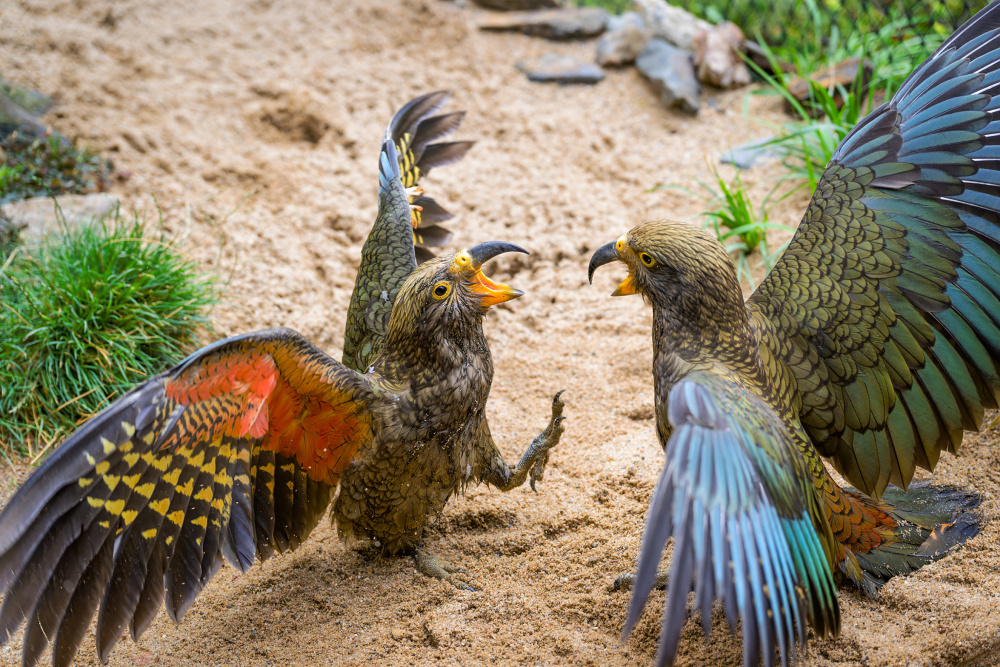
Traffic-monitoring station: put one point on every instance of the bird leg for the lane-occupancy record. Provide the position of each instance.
(432, 566)
(537, 455)
(624, 582)
(532, 463)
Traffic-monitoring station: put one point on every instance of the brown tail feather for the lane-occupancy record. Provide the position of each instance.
(880, 539)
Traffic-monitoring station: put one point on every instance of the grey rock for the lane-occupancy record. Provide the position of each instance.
(39, 217)
(14, 118)
(670, 71)
(747, 155)
(31, 101)
(559, 68)
(675, 25)
(518, 5)
(551, 23)
(717, 58)
(625, 39)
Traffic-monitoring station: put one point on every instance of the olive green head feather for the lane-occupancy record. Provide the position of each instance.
(450, 291)
(677, 266)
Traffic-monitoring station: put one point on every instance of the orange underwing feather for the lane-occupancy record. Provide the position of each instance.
(247, 396)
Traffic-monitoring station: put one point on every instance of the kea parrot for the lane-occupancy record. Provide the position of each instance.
(237, 451)
(873, 342)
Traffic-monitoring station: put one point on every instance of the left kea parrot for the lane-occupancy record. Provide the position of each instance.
(238, 450)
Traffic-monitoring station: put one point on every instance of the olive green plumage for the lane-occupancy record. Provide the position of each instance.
(874, 342)
(393, 249)
(437, 365)
(236, 453)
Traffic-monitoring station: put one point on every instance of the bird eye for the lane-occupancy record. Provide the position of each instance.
(647, 259)
(441, 290)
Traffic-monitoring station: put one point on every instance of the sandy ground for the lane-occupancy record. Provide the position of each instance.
(253, 128)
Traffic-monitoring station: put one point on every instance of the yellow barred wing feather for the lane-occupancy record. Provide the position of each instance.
(236, 452)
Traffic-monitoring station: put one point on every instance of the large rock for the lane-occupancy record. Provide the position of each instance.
(625, 39)
(518, 5)
(675, 25)
(670, 71)
(717, 56)
(560, 68)
(552, 23)
(15, 119)
(39, 217)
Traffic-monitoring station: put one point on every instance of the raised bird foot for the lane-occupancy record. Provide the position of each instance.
(625, 581)
(531, 467)
(539, 448)
(432, 566)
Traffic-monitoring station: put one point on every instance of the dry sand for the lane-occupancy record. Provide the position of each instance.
(254, 126)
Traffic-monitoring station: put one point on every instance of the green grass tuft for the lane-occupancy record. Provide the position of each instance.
(812, 29)
(740, 227)
(85, 319)
(42, 167)
(612, 6)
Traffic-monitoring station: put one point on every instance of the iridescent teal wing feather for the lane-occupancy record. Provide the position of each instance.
(736, 497)
(888, 296)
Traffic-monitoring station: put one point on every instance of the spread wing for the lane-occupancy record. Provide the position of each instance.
(736, 497)
(886, 305)
(413, 129)
(235, 452)
(386, 261)
(406, 224)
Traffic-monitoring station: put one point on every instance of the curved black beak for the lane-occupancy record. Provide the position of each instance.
(606, 254)
(484, 252)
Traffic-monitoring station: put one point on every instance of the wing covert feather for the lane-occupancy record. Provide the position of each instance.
(235, 452)
(883, 305)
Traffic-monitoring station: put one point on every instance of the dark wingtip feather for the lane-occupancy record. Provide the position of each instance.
(432, 129)
(406, 120)
(69, 462)
(439, 155)
(659, 526)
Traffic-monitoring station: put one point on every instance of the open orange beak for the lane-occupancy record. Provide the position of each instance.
(609, 253)
(627, 286)
(469, 261)
(491, 293)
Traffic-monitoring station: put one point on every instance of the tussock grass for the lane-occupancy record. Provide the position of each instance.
(740, 226)
(84, 319)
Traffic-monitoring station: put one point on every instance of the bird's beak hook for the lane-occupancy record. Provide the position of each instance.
(608, 253)
(484, 252)
(489, 292)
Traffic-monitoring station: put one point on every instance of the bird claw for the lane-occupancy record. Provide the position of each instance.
(432, 566)
(538, 471)
(546, 440)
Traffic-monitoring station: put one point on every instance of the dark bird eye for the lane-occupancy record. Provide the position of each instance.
(647, 259)
(441, 290)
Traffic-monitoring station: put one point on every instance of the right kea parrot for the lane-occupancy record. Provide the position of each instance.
(874, 342)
